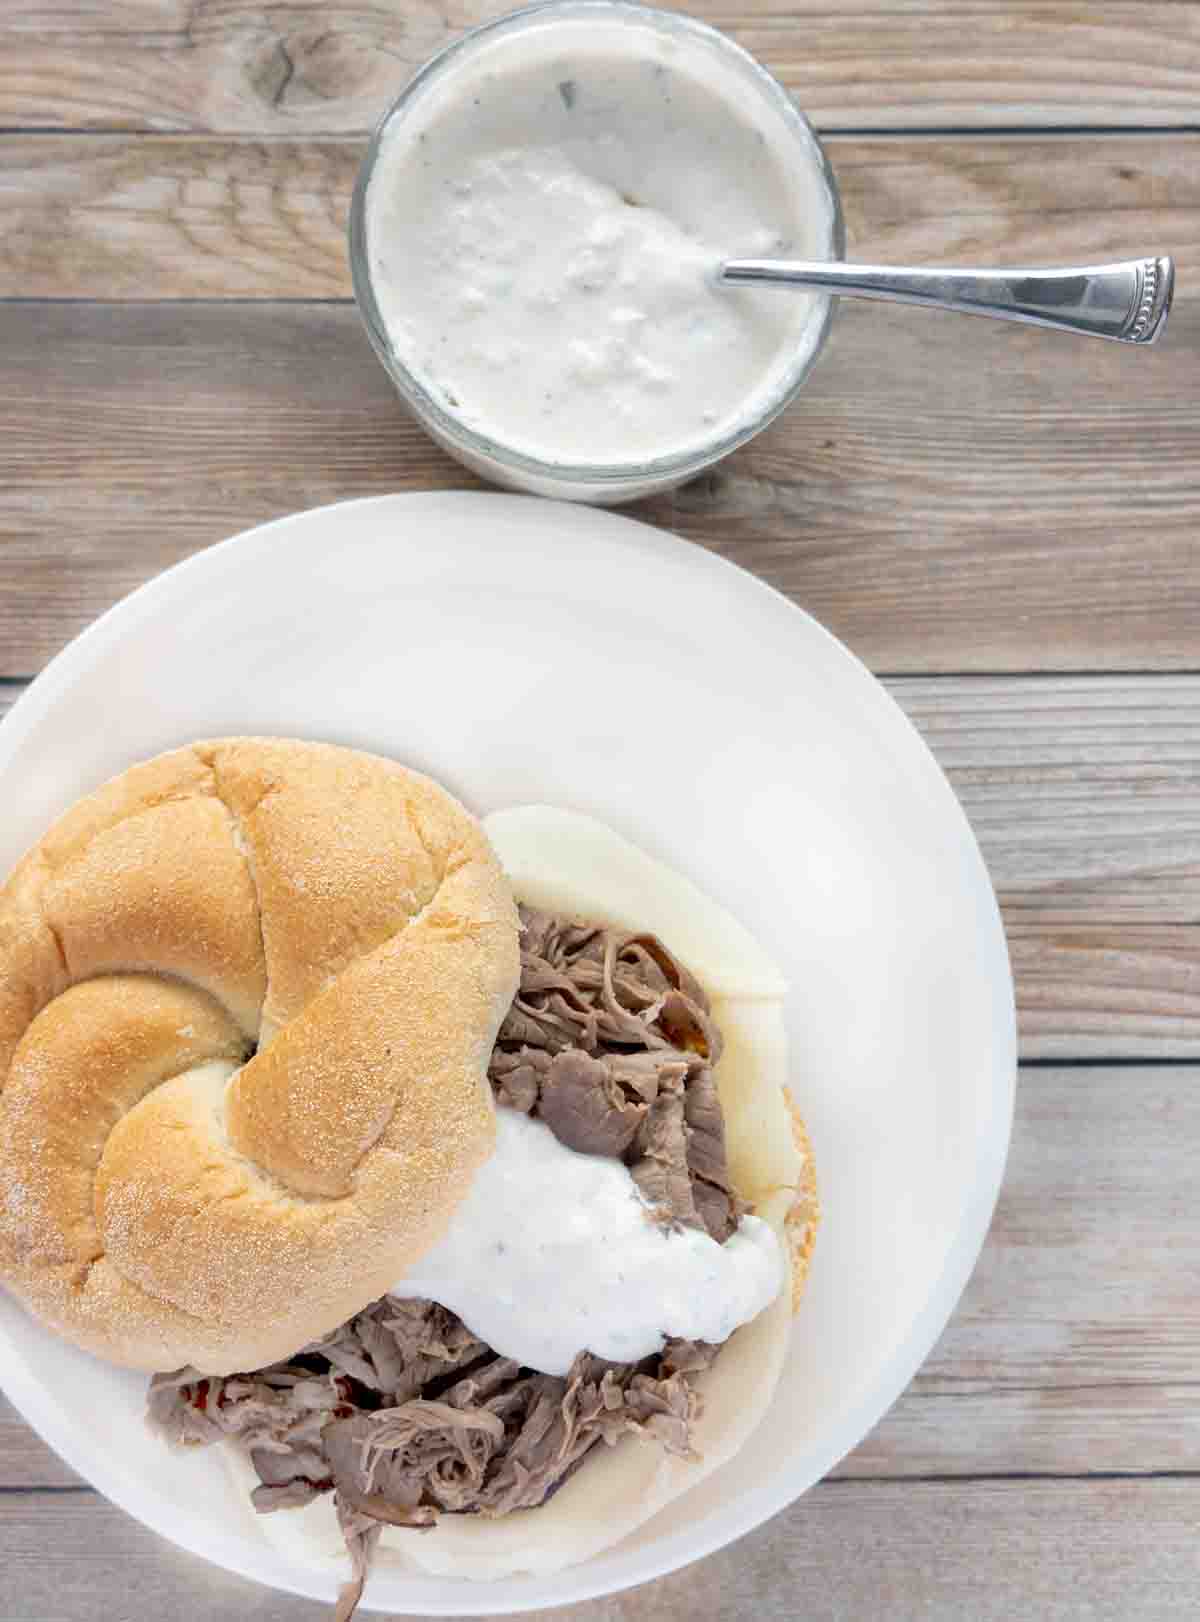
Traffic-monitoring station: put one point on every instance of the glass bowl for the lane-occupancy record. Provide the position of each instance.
(608, 481)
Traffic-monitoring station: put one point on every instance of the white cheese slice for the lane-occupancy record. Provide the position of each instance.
(565, 861)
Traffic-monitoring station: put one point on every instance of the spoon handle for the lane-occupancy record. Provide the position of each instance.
(1127, 302)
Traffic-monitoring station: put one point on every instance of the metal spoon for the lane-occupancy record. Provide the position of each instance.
(1126, 302)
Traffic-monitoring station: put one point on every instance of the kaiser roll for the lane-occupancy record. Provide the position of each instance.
(248, 993)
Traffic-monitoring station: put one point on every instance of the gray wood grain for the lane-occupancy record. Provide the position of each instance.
(1069, 782)
(1084, 794)
(151, 217)
(946, 495)
(332, 65)
(1073, 1348)
(1134, 1426)
(1091, 1273)
(26, 1462)
(913, 1552)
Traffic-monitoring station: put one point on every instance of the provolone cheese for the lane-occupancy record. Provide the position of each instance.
(563, 861)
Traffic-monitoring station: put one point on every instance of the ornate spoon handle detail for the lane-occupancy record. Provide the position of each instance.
(1127, 302)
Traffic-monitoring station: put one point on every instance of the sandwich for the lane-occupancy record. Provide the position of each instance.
(443, 1174)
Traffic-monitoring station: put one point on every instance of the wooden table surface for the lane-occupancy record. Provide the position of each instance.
(1005, 524)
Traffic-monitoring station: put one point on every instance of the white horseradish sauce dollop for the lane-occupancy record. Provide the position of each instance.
(553, 1253)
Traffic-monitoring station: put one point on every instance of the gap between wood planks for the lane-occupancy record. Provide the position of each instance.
(831, 132)
(828, 1481)
(15, 685)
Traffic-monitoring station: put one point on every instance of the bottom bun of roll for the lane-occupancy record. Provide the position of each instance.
(561, 862)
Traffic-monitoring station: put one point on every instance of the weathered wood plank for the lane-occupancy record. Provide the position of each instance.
(25, 1460)
(1085, 796)
(1133, 1428)
(332, 65)
(1091, 1273)
(946, 495)
(125, 216)
(1044, 763)
(1113, 1551)
(1116, 990)
(144, 216)
(1073, 1349)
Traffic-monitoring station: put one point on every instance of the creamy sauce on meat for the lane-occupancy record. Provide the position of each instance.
(544, 231)
(553, 1253)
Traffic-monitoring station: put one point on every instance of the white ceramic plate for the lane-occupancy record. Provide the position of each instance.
(520, 650)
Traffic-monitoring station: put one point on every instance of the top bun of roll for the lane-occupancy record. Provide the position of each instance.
(248, 993)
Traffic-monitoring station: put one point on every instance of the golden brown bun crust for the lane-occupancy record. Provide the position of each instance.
(341, 912)
(804, 1218)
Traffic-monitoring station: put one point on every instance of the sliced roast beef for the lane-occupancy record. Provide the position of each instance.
(586, 1107)
(660, 1168)
(517, 1077)
(293, 1494)
(603, 1024)
(177, 1408)
(719, 1207)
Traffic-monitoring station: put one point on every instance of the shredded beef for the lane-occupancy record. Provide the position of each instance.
(361, 1533)
(610, 1042)
(402, 1413)
(585, 1107)
(491, 1446)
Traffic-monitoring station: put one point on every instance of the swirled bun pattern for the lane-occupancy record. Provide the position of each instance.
(248, 991)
